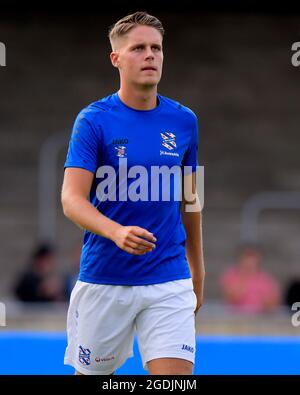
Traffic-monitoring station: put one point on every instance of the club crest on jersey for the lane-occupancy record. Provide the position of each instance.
(84, 356)
(120, 151)
(168, 140)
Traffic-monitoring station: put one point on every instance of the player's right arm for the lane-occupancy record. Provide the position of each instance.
(76, 206)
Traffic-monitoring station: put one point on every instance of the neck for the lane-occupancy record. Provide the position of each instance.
(139, 98)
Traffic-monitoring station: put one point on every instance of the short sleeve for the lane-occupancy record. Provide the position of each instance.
(191, 155)
(84, 145)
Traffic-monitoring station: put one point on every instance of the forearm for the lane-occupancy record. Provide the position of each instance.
(192, 222)
(80, 211)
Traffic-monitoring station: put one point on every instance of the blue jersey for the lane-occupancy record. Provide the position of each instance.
(109, 133)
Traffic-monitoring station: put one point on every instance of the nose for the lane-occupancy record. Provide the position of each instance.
(149, 54)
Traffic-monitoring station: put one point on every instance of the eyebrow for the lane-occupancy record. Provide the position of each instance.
(142, 44)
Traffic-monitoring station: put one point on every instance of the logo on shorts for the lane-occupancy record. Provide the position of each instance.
(104, 359)
(84, 356)
(187, 348)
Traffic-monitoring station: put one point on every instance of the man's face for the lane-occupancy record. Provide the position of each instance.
(139, 57)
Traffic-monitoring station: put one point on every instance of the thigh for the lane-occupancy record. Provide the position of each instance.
(170, 366)
(166, 327)
(100, 327)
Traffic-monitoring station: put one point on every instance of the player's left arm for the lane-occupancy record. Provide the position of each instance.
(192, 220)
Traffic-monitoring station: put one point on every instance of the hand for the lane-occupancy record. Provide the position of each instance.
(132, 240)
(198, 289)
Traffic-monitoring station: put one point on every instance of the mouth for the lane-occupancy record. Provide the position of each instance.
(151, 68)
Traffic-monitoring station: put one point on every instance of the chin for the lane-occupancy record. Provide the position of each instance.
(149, 81)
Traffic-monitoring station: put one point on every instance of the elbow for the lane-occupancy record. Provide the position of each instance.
(71, 205)
(66, 206)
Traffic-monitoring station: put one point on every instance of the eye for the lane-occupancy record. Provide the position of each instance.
(156, 48)
(139, 48)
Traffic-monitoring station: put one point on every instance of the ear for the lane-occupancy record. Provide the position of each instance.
(114, 57)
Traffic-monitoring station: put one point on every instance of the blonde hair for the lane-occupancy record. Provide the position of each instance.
(127, 23)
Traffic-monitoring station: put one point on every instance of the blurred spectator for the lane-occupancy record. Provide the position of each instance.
(72, 276)
(246, 287)
(292, 294)
(40, 281)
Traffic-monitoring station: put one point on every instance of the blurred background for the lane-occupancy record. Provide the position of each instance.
(233, 68)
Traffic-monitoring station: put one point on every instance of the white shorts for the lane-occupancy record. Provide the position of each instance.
(102, 321)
